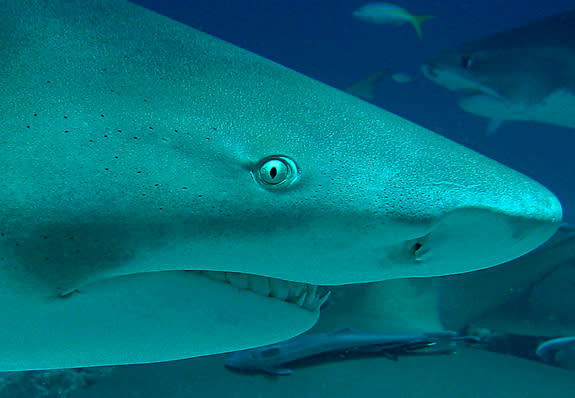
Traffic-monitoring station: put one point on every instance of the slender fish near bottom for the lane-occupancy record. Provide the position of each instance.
(271, 359)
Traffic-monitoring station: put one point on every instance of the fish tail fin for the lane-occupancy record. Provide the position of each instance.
(418, 20)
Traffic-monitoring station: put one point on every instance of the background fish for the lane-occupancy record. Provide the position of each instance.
(386, 13)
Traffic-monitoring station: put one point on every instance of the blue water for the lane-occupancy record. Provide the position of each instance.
(322, 40)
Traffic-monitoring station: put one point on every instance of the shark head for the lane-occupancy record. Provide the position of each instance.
(526, 73)
(168, 195)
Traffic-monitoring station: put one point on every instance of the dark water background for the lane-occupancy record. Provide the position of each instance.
(321, 39)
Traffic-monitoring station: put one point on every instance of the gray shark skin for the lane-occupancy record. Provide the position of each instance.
(526, 73)
(272, 359)
(137, 152)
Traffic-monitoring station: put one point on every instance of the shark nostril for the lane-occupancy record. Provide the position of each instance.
(420, 250)
(416, 247)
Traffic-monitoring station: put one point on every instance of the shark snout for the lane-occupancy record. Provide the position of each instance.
(488, 226)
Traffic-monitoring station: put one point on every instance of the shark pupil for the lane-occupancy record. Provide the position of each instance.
(275, 172)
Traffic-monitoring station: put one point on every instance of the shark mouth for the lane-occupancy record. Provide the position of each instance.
(309, 297)
(456, 81)
(304, 295)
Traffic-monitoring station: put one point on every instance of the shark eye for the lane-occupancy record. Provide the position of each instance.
(466, 61)
(275, 172)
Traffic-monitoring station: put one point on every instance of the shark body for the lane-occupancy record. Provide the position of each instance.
(526, 73)
(167, 195)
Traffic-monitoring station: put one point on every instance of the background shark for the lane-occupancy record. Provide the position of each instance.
(526, 73)
(166, 195)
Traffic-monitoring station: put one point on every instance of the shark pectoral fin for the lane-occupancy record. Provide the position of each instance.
(556, 108)
(494, 108)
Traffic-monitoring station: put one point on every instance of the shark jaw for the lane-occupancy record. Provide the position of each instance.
(132, 319)
(454, 80)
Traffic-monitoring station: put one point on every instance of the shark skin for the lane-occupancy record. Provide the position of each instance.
(138, 151)
(525, 73)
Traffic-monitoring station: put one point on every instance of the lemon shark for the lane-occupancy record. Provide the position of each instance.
(525, 73)
(166, 195)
